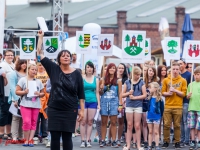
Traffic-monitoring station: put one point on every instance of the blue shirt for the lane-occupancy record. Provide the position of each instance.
(151, 114)
(187, 76)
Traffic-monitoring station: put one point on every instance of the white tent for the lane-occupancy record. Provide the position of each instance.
(70, 44)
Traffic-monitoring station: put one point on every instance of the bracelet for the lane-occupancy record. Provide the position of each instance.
(120, 107)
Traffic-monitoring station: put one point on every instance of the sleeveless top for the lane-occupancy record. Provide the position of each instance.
(90, 91)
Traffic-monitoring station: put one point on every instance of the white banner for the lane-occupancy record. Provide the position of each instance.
(192, 51)
(2, 22)
(27, 47)
(105, 44)
(172, 48)
(51, 46)
(133, 46)
(83, 42)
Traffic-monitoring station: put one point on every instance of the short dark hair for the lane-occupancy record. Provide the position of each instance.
(61, 53)
(19, 63)
(89, 63)
(9, 50)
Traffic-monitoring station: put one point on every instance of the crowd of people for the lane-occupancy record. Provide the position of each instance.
(134, 105)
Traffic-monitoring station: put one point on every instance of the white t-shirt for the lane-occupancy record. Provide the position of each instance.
(7, 68)
(76, 65)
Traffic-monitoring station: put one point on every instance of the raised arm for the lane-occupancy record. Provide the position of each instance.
(39, 45)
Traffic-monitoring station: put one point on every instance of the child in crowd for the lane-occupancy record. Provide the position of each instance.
(29, 106)
(134, 97)
(193, 93)
(154, 114)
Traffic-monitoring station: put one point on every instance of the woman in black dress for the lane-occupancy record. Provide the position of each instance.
(67, 90)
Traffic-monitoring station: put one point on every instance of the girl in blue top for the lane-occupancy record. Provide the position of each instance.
(92, 102)
(154, 113)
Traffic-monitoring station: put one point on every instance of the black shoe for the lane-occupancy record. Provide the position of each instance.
(165, 145)
(153, 144)
(103, 143)
(114, 144)
(177, 145)
(145, 144)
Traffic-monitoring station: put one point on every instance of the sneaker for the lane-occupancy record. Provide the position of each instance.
(108, 143)
(198, 145)
(157, 148)
(187, 144)
(35, 140)
(134, 145)
(182, 144)
(145, 145)
(122, 139)
(192, 145)
(177, 145)
(44, 140)
(148, 148)
(165, 145)
(103, 143)
(125, 145)
(114, 144)
(141, 148)
(96, 139)
(118, 143)
(82, 144)
(88, 144)
(153, 144)
(48, 144)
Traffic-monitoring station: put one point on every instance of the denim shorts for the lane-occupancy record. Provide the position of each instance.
(193, 119)
(153, 121)
(91, 105)
(109, 109)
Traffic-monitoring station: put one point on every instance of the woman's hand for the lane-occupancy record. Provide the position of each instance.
(40, 33)
(16, 104)
(131, 97)
(37, 93)
(189, 95)
(3, 75)
(98, 107)
(131, 92)
(80, 115)
(26, 91)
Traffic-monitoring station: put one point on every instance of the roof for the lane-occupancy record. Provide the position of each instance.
(102, 12)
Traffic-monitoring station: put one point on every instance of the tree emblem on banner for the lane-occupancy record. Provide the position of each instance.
(146, 47)
(193, 50)
(105, 44)
(133, 44)
(171, 44)
(52, 45)
(84, 40)
(28, 44)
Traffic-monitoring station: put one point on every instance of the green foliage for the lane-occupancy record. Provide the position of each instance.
(127, 39)
(139, 39)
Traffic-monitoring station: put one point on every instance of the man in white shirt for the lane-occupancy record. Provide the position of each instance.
(5, 116)
(75, 64)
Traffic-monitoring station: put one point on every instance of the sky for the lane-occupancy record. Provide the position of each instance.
(24, 2)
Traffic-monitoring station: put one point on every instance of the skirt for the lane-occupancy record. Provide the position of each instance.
(62, 120)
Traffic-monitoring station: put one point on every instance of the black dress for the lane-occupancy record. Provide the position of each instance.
(65, 93)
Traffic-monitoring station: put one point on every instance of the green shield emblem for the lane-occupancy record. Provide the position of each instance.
(28, 44)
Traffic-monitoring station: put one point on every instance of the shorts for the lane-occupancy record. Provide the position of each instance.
(109, 108)
(5, 115)
(133, 110)
(193, 120)
(91, 105)
(153, 121)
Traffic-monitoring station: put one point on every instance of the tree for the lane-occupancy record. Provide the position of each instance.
(47, 43)
(127, 39)
(172, 44)
(28, 42)
(139, 39)
(80, 39)
(146, 43)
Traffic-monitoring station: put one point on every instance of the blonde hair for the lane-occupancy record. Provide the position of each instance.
(157, 92)
(135, 70)
(31, 65)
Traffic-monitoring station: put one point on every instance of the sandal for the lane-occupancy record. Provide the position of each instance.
(125, 148)
(1, 136)
(7, 136)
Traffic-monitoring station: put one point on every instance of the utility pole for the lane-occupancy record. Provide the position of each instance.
(58, 18)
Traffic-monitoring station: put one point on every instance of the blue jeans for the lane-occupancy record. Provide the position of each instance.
(185, 131)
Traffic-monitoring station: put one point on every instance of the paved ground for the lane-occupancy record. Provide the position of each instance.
(76, 143)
